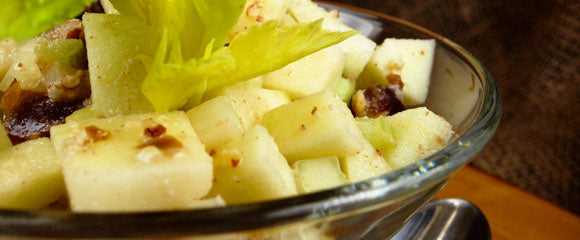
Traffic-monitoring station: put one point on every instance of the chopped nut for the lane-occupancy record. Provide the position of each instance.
(155, 131)
(169, 145)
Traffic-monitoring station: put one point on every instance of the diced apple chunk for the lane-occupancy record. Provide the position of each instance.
(308, 75)
(4, 140)
(214, 202)
(345, 88)
(418, 133)
(251, 103)
(215, 122)
(30, 175)
(251, 169)
(84, 114)
(357, 50)
(258, 11)
(409, 60)
(7, 46)
(24, 68)
(318, 174)
(133, 163)
(113, 43)
(377, 131)
(316, 126)
(364, 164)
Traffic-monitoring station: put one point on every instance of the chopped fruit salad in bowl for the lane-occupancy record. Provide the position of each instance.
(228, 119)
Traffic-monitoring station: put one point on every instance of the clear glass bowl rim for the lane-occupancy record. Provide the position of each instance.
(351, 197)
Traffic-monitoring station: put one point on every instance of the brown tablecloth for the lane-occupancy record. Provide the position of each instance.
(533, 49)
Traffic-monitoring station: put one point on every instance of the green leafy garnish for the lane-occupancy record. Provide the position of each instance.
(193, 33)
(266, 48)
(24, 19)
(191, 59)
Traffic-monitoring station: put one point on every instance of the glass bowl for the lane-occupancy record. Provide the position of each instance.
(462, 91)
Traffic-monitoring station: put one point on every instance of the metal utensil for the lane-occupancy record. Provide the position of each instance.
(446, 219)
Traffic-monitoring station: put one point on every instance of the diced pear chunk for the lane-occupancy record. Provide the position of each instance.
(313, 175)
(113, 43)
(215, 122)
(308, 75)
(316, 126)
(409, 60)
(30, 175)
(251, 168)
(364, 164)
(133, 163)
(357, 49)
(418, 133)
(258, 11)
(4, 140)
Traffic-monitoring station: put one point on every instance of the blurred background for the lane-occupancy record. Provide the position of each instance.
(532, 47)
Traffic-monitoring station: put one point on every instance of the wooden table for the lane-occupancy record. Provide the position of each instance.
(511, 212)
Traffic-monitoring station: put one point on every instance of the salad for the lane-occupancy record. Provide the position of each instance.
(144, 105)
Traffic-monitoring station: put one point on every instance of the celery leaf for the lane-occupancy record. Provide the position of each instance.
(266, 48)
(24, 19)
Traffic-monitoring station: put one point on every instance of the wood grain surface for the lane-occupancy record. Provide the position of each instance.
(533, 49)
(512, 213)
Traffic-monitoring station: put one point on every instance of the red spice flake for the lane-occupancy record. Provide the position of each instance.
(96, 134)
(214, 180)
(379, 152)
(472, 87)
(212, 152)
(303, 127)
(20, 65)
(426, 113)
(422, 52)
(235, 162)
(314, 109)
(155, 131)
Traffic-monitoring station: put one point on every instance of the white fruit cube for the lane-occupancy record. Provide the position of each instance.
(357, 49)
(214, 202)
(4, 140)
(24, 68)
(418, 133)
(113, 43)
(258, 11)
(308, 75)
(30, 175)
(313, 175)
(133, 163)
(364, 164)
(215, 122)
(409, 60)
(251, 169)
(320, 125)
(251, 103)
